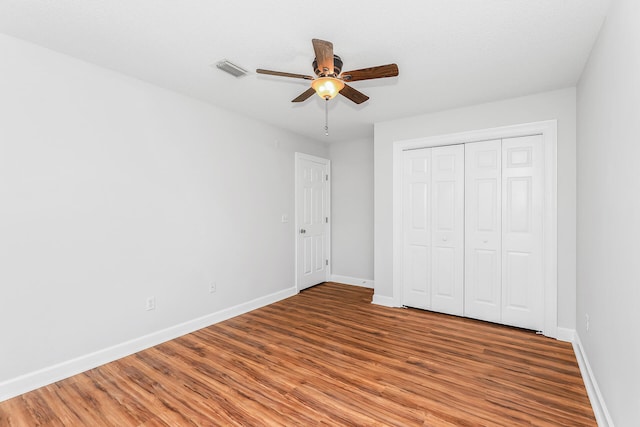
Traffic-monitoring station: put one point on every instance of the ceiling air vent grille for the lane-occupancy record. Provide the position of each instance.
(231, 68)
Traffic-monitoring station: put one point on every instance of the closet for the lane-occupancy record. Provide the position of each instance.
(472, 230)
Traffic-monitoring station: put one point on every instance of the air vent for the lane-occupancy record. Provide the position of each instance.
(231, 68)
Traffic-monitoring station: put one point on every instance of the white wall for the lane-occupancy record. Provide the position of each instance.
(609, 212)
(113, 190)
(558, 105)
(352, 208)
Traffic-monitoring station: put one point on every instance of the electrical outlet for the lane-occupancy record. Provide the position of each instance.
(586, 318)
(151, 303)
(212, 288)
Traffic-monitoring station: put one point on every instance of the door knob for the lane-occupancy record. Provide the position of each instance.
(302, 231)
(444, 239)
(485, 241)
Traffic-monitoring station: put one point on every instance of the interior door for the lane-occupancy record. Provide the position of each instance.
(483, 230)
(522, 210)
(482, 260)
(447, 225)
(416, 249)
(312, 217)
(433, 229)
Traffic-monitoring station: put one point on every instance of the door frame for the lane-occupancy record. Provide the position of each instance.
(327, 201)
(548, 130)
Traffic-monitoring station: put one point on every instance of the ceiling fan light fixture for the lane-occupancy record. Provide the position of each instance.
(327, 87)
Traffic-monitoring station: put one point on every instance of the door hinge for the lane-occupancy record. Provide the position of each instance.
(326, 219)
(326, 262)
(326, 177)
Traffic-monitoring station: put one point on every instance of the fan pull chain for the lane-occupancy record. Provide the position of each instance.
(326, 117)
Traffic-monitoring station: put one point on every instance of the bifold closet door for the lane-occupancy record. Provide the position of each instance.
(522, 211)
(416, 219)
(483, 231)
(503, 231)
(447, 238)
(433, 229)
(472, 230)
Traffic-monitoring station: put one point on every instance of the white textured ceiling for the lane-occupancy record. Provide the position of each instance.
(450, 53)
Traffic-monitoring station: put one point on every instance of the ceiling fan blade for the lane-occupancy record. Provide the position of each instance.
(389, 70)
(324, 55)
(281, 74)
(354, 95)
(304, 95)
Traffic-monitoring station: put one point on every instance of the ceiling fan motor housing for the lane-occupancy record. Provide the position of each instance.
(337, 67)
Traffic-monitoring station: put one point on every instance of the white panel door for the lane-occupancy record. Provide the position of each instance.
(522, 210)
(447, 229)
(416, 250)
(311, 214)
(483, 230)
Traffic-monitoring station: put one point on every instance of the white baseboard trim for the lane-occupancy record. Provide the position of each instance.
(384, 300)
(566, 334)
(33, 380)
(595, 396)
(365, 283)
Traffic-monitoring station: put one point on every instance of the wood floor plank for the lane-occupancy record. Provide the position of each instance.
(326, 356)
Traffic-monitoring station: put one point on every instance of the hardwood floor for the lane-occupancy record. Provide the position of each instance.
(326, 357)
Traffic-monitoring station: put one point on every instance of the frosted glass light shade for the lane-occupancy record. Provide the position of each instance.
(327, 87)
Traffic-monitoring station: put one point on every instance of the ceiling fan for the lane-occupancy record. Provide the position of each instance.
(330, 79)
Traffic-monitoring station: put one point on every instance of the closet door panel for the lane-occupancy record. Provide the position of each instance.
(416, 199)
(447, 260)
(483, 230)
(522, 207)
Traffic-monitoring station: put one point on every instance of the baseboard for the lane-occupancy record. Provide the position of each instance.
(566, 334)
(33, 380)
(384, 300)
(365, 283)
(597, 401)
